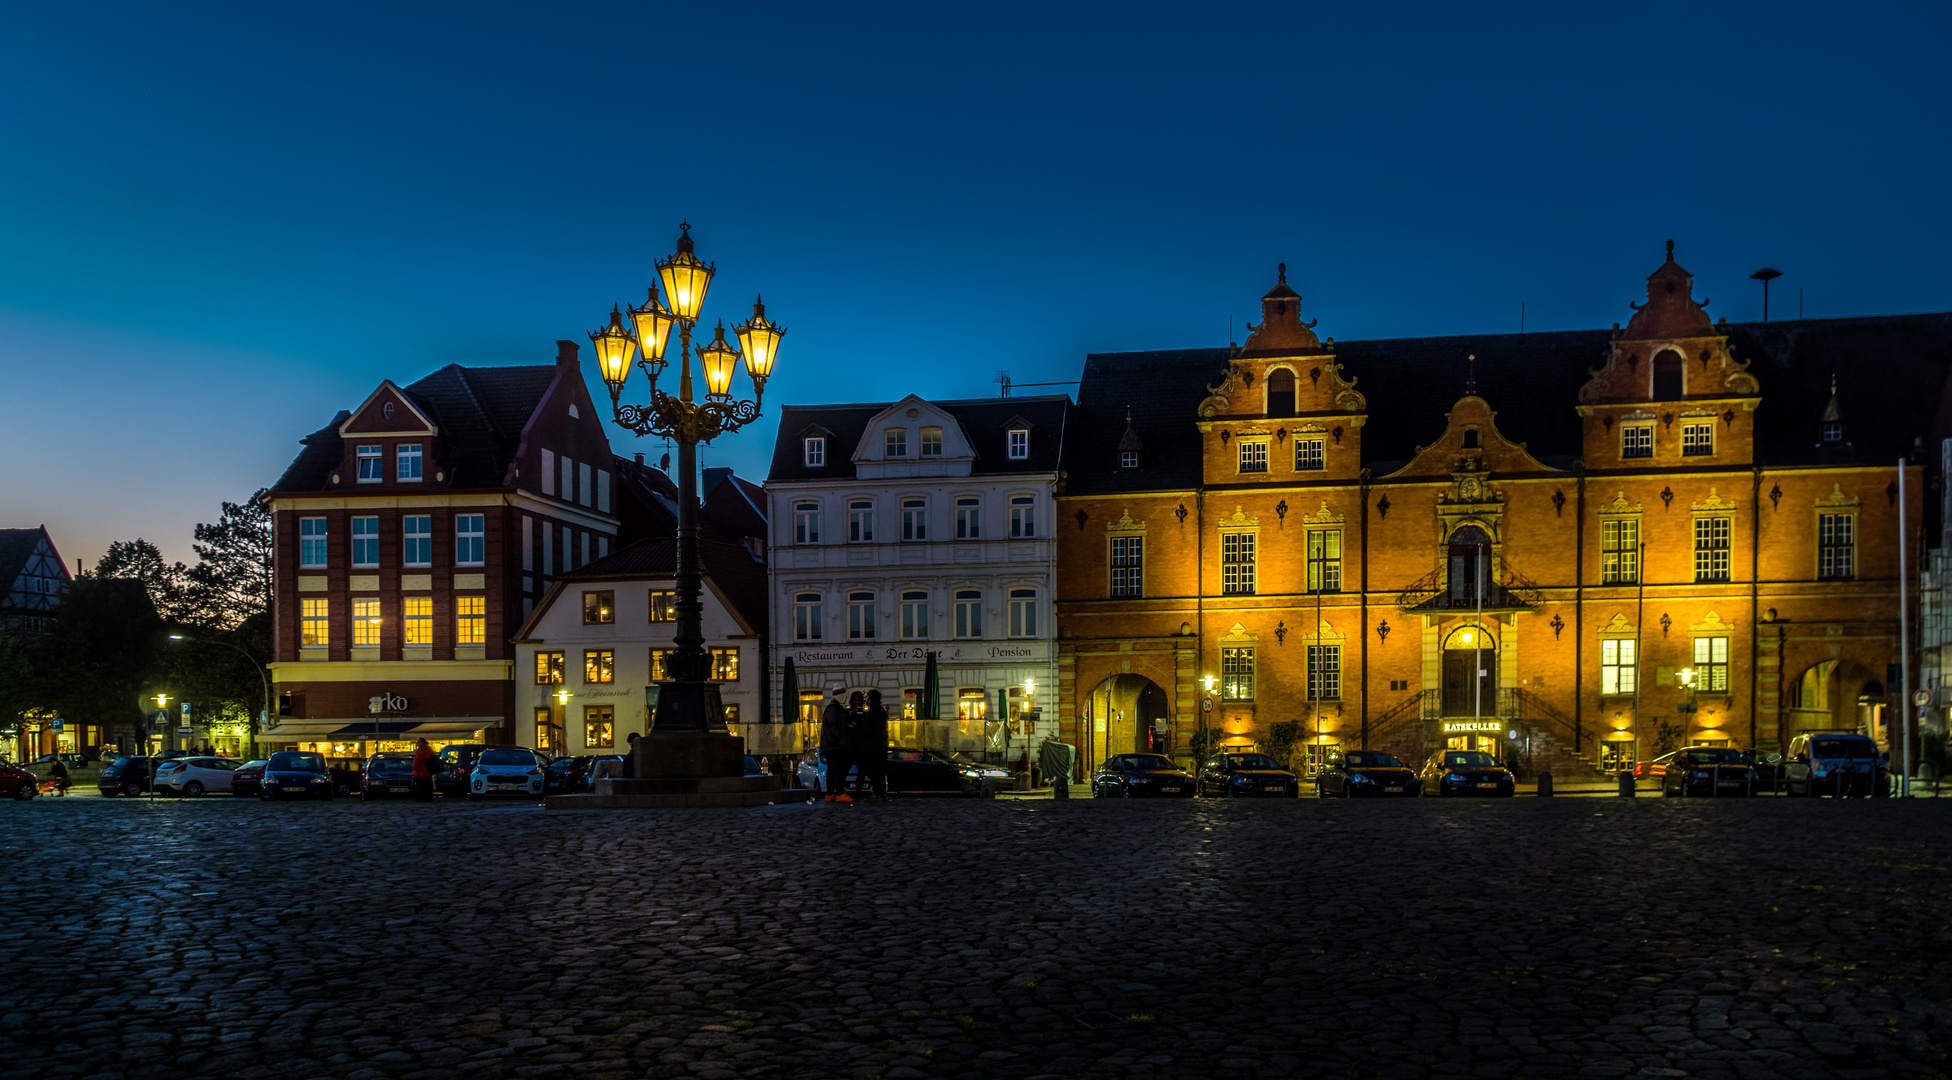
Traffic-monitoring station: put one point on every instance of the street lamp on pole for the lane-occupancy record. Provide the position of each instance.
(687, 701)
(263, 717)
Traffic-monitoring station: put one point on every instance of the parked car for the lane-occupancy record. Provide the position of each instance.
(753, 769)
(17, 783)
(1141, 776)
(568, 775)
(1466, 772)
(1835, 763)
(1709, 771)
(296, 774)
(386, 775)
(244, 779)
(72, 761)
(1366, 774)
(1237, 776)
(193, 776)
(346, 774)
(506, 770)
(1656, 768)
(1768, 766)
(127, 776)
(457, 761)
(911, 771)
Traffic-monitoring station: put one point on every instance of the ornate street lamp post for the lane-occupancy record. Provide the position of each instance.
(688, 701)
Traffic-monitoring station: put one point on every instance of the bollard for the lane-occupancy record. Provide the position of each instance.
(1545, 785)
(1626, 784)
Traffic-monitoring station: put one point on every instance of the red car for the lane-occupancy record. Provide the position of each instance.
(17, 783)
(244, 779)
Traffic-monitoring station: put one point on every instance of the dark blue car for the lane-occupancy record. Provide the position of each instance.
(295, 774)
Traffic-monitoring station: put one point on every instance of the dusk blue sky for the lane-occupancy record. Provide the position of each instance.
(221, 223)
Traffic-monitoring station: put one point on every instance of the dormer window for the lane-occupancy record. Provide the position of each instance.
(1471, 439)
(931, 442)
(815, 449)
(407, 459)
(1019, 443)
(1833, 432)
(895, 442)
(1128, 459)
(371, 464)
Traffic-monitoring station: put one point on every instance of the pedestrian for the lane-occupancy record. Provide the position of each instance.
(59, 774)
(871, 746)
(423, 771)
(630, 756)
(836, 747)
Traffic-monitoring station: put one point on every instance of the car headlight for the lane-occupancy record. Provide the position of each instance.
(1356, 777)
(320, 780)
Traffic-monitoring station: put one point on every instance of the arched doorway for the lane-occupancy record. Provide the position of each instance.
(1471, 688)
(1121, 717)
(1837, 695)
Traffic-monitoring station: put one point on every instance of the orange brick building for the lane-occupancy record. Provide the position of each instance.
(1293, 531)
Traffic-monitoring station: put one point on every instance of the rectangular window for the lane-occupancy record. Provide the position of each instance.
(548, 472)
(599, 666)
(806, 523)
(372, 464)
(1836, 542)
(1236, 562)
(860, 615)
(969, 518)
(470, 620)
(1619, 552)
(972, 703)
(815, 450)
(548, 668)
(314, 627)
(1237, 674)
(806, 616)
(1324, 672)
(664, 606)
(914, 519)
(1019, 443)
(568, 490)
(365, 541)
(969, 613)
(1128, 459)
(860, 521)
(931, 442)
(895, 441)
(1128, 566)
(725, 665)
(545, 723)
(365, 622)
(660, 668)
(417, 620)
(1711, 549)
(1711, 665)
(1637, 441)
(1618, 671)
(1253, 455)
(1023, 516)
(311, 542)
(470, 539)
(1023, 612)
(915, 614)
(406, 459)
(1325, 561)
(1698, 438)
(417, 540)
(599, 607)
(1308, 455)
(599, 726)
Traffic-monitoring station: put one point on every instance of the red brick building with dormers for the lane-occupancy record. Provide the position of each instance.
(414, 534)
(1303, 523)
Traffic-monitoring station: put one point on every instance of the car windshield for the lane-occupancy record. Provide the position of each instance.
(1713, 756)
(389, 766)
(296, 762)
(1369, 759)
(1469, 759)
(1146, 761)
(1251, 761)
(507, 757)
(258, 764)
(1844, 748)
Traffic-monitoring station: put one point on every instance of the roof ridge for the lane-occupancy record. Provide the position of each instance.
(467, 387)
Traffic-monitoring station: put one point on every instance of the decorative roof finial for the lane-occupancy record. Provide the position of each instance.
(1471, 376)
(1281, 271)
(1670, 251)
(1833, 384)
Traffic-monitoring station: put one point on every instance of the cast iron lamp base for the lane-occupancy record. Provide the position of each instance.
(688, 760)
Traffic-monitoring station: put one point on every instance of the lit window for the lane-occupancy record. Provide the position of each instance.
(470, 620)
(417, 540)
(806, 523)
(311, 543)
(314, 626)
(599, 666)
(1308, 455)
(599, 726)
(1619, 552)
(931, 442)
(1253, 455)
(895, 440)
(1711, 549)
(972, 703)
(860, 615)
(417, 620)
(815, 449)
(969, 613)
(371, 464)
(1324, 672)
(1023, 516)
(860, 521)
(1325, 561)
(1023, 612)
(1836, 540)
(1637, 441)
(660, 670)
(365, 541)
(806, 616)
(725, 665)
(1128, 566)
(599, 607)
(1237, 562)
(1711, 665)
(365, 623)
(914, 614)
(1019, 443)
(664, 606)
(969, 518)
(1617, 668)
(1697, 439)
(548, 668)
(1237, 674)
(914, 519)
(407, 461)
(470, 539)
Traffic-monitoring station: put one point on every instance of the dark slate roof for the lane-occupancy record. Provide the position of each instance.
(984, 420)
(312, 468)
(734, 569)
(16, 547)
(1892, 376)
(734, 507)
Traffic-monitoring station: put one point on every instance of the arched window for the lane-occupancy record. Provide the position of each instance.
(1470, 554)
(1668, 376)
(806, 616)
(1281, 393)
(1023, 612)
(860, 615)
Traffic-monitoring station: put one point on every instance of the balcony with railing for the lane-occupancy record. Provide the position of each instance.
(1435, 593)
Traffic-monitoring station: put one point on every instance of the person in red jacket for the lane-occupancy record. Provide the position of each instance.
(423, 771)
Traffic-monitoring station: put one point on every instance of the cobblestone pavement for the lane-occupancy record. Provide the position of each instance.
(1555, 938)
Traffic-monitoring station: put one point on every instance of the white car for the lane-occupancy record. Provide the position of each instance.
(192, 777)
(506, 772)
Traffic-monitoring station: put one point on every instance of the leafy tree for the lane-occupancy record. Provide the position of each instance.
(20, 690)
(1282, 740)
(99, 654)
(168, 583)
(231, 582)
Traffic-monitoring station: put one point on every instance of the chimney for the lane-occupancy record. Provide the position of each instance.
(640, 459)
(566, 353)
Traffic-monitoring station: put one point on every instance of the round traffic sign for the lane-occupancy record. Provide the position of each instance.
(1206, 705)
(1921, 697)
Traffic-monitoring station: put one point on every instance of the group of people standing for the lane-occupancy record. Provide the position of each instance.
(854, 734)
